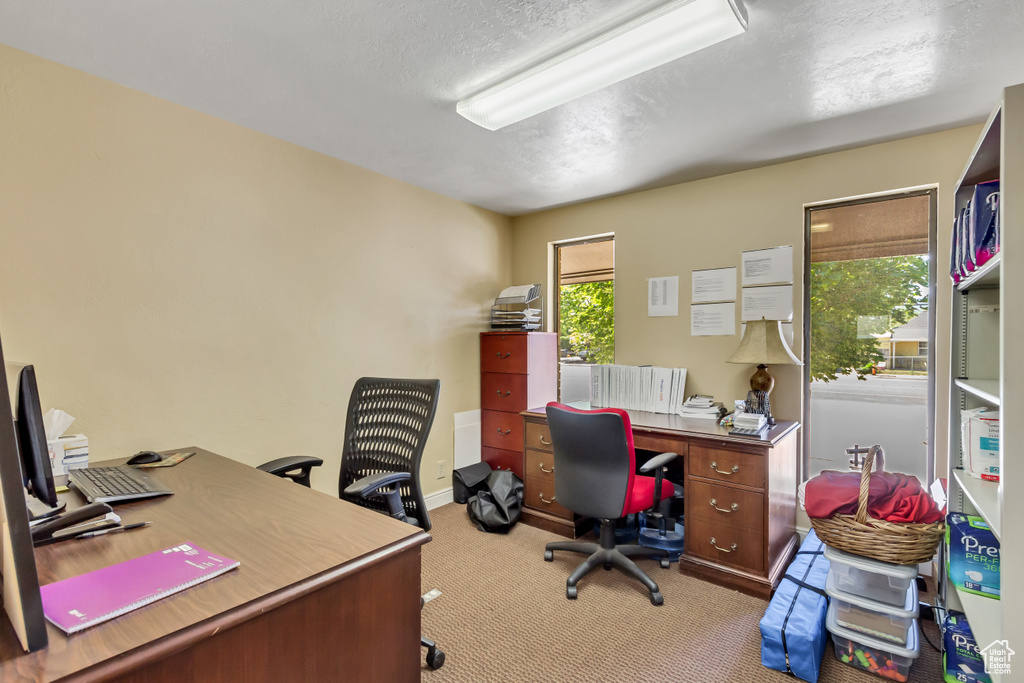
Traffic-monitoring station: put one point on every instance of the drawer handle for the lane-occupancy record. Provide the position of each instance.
(731, 549)
(549, 502)
(507, 393)
(714, 466)
(505, 356)
(732, 508)
(541, 437)
(504, 433)
(544, 470)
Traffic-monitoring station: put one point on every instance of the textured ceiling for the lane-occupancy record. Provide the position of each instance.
(375, 83)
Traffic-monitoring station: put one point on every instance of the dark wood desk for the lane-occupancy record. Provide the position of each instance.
(746, 547)
(326, 590)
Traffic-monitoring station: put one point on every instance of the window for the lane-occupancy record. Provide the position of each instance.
(868, 290)
(585, 307)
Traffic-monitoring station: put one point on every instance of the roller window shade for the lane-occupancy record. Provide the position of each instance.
(895, 227)
(590, 262)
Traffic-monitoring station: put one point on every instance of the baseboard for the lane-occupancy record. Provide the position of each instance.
(803, 531)
(439, 498)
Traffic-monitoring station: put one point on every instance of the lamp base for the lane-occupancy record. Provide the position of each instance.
(762, 380)
(758, 403)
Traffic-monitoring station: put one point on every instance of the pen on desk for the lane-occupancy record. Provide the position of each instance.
(127, 527)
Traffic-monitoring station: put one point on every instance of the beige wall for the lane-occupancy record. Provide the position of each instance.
(706, 224)
(180, 280)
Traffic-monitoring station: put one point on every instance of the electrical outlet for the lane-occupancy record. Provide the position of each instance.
(440, 469)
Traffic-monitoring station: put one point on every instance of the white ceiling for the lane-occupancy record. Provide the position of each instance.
(375, 83)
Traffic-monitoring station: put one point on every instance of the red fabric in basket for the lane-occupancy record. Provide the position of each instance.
(892, 497)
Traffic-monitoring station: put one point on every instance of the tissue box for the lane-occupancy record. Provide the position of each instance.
(69, 452)
(973, 555)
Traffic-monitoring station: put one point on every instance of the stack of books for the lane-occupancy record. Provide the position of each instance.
(701, 407)
(749, 422)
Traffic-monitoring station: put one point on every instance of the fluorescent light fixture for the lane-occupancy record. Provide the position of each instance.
(664, 34)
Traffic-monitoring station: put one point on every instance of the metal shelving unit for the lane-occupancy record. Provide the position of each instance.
(987, 313)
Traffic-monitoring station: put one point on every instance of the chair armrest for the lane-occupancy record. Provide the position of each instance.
(658, 461)
(370, 487)
(283, 467)
(363, 488)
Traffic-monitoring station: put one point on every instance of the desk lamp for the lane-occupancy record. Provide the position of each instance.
(762, 344)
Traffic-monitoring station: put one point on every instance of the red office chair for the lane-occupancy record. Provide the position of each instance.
(595, 476)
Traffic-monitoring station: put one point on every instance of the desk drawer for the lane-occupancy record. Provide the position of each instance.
(725, 544)
(501, 430)
(504, 353)
(540, 465)
(726, 465)
(539, 493)
(715, 502)
(538, 436)
(500, 459)
(503, 391)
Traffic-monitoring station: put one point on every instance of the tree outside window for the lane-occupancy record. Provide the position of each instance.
(586, 314)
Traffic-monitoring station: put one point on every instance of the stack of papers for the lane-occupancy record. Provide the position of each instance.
(701, 407)
(655, 390)
(749, 421)
(512, 311)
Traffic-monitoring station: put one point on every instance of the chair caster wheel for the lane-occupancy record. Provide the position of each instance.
(549, 556)
(656, 599)
(570, 592)
(435, 659)
(665, 563)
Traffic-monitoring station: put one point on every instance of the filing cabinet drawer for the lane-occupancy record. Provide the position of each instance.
(739, 508)
(504, 353)
(501, 430)
(539, 493)
(540, 465)
(726, 465)
(725, 544)
(503, 391)
(538, 436)
(500, 459)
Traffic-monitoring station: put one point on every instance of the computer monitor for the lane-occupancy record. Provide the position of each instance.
(35, 456)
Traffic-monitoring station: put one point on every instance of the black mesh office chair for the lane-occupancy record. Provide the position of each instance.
(385, 432)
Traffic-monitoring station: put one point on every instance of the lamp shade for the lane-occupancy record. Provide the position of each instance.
(763, 344)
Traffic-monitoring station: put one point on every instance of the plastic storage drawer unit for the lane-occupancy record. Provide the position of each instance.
(874, 619)
(873, 580)
(874, 656)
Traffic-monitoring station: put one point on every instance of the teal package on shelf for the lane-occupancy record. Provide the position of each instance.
(793, 636)
(961, 659)
(972, 560)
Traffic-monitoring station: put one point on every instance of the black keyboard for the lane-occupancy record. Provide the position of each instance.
(115, 484)
(113, 481)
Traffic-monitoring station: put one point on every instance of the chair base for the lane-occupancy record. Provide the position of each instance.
(608, 555)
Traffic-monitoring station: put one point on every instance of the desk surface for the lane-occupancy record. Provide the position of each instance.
(643, 421)
(290, 541)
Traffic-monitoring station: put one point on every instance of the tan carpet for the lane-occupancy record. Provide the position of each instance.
(503, 616)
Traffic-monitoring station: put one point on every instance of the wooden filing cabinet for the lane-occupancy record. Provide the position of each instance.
(740, 495)
(518, 370)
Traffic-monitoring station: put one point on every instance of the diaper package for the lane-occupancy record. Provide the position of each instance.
(973, 555)
(979, 431)
(961, 658)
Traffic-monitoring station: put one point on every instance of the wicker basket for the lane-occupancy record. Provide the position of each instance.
(906, 543)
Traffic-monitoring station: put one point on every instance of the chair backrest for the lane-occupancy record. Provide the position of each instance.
(385, 431)
(594, 460)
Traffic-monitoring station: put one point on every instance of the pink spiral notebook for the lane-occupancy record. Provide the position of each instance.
(89, 599)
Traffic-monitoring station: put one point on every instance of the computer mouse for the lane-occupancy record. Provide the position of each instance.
(145, 457)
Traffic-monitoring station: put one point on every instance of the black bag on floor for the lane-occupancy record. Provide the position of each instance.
(496, 507)
(466, 481)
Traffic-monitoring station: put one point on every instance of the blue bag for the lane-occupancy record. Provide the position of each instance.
(793, 635)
